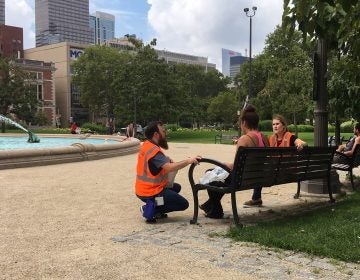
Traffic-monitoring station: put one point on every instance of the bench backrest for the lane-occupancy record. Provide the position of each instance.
(265, 167)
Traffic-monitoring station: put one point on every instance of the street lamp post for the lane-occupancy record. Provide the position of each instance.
(250, 14)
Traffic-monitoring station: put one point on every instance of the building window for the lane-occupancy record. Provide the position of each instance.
(40, 91)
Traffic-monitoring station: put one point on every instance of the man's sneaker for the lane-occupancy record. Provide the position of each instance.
(253, 203)
(148, 221)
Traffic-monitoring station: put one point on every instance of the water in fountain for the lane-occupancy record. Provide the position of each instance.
(32, 137)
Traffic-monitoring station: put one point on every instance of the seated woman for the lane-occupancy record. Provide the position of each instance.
(344, 152)
(249, 121)
(75, 129)
(281, 137)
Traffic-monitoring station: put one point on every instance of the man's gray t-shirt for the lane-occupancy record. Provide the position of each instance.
(156, 163)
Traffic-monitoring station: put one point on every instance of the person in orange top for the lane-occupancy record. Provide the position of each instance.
(281, 138)
(152, 171)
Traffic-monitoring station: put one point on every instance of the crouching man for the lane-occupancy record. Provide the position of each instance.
(152, 171)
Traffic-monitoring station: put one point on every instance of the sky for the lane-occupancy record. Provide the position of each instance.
(196, 27)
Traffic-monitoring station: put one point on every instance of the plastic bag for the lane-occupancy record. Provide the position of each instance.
(216, 174)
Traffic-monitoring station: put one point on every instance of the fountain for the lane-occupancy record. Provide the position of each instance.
(32, 137)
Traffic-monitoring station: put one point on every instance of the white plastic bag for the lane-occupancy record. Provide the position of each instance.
(217, 174)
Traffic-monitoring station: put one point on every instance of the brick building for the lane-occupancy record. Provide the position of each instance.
(11, 41)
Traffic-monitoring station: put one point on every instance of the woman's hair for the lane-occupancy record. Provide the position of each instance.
(250, 117)
(281, 119)
(151, 128)
(357, 126)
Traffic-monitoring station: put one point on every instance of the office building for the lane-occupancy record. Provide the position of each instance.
(62, 21)
(235, 64)
(2, 12)
(102, 27)
(226, 55)
(11, 41)
(181, 58)
(67, 95)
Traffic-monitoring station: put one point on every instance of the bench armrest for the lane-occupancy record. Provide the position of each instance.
(208, 160)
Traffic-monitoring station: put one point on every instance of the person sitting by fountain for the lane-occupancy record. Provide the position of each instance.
(75, 129)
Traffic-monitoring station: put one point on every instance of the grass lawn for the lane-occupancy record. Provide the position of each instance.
(332, 232)
(208, 136)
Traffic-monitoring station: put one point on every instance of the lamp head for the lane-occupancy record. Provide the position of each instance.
(254, 8)
(246, 10)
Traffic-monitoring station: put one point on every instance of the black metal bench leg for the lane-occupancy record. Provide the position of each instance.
(196, 208)
(332, 200)
(352, 179)
(234, 209)
(297, 195)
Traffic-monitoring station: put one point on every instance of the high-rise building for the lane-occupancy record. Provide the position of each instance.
(226, 55)
(62, 21)
(235, 64)
(102, 27)
(2, 11)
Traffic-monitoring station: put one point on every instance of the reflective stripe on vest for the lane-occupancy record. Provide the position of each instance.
(144, 177)
(285, 142)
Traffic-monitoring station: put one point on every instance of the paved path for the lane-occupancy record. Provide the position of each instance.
(81, 221)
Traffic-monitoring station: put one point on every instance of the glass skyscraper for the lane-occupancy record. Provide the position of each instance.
(62, 21)
(226, 55)
(2, 11)
(102, 27)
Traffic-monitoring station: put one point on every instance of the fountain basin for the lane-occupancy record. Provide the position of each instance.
(77, 151)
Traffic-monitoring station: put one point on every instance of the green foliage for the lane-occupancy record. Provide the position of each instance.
(223, 108)
(331, 232)
(335, 21)
(331, 128)
(41, 118)
(265, 125)
(301, 128)
(17, 91)
(172, 127)
(282, 78)
(127, 84)
(98, 128)
(347, 126)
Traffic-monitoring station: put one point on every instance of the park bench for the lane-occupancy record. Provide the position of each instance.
(266, 167)
(349, 163)
(225, 138)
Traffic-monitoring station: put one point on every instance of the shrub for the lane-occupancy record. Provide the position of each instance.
(301, 128)
(40, 118)
(98, 128)
(347, 126)
(331, 128)
(265, 125)
(172, 127)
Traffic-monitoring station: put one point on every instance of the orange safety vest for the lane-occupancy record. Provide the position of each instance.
(148, 185)
(285, 142)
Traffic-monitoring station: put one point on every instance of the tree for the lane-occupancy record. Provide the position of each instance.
(336, 26)
(17, 91)
(283, 77)
(223, 108)
(97, 73)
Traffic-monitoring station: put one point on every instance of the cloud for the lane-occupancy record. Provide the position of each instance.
(203, 27)
(20, 13)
